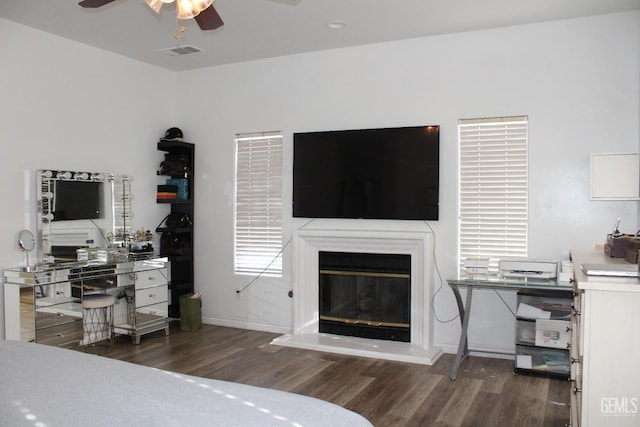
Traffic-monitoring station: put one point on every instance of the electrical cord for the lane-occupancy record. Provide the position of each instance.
(238, 291)
(435, 263)
(106, 242)
(504, 302)
(440, 281)
(252, 281)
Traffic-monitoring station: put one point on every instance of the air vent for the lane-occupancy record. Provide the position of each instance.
(181, 50)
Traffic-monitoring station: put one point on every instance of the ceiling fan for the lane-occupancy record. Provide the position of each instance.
(201, 10)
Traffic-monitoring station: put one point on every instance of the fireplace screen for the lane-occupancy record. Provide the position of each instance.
(365, 295)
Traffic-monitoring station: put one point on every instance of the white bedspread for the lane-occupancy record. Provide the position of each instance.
(42, 386)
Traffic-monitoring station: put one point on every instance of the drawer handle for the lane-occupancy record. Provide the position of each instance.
(152, 295)
(576, 360)
(60, 314)
(577, 390)
(60, 335)
(149, 278)
(109, 281)
(576, 312)
(569, 329)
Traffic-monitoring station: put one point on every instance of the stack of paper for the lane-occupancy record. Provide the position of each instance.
(527, 311)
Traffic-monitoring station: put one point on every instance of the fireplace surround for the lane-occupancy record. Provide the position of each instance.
(308, 243)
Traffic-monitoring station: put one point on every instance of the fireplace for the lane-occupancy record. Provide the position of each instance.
(360, 238)
(365, 295)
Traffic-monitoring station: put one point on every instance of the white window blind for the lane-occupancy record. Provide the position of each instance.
(493, 191)
(258, 204)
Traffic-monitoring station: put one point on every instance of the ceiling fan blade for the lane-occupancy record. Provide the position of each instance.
(155, 5)
(209, 19)
(291, 2)
(94, 3)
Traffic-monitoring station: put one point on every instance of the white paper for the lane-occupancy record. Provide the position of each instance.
(523, 361)
(552, 333)
(527, 311)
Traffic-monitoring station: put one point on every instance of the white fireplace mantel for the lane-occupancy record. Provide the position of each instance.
(308, 243)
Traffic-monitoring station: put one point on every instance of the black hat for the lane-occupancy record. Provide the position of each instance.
(173, 134)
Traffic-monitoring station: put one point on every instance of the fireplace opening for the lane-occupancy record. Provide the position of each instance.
(365, 295)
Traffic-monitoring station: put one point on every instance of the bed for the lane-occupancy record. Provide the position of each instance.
(44, 386)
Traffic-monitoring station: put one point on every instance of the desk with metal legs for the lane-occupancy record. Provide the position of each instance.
(490, 282)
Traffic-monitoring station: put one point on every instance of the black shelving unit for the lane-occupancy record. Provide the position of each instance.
(176, 241)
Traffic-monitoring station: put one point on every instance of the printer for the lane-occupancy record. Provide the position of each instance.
(540, 269)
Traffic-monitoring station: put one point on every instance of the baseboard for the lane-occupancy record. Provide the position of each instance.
(242, 324)
(496, 352)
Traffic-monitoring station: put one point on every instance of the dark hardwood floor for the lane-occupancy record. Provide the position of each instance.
(486, 392)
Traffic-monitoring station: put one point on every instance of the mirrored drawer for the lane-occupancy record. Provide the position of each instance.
(66, 334)
(151, 315)
(152, 295)
(148, 278)
(159, 310)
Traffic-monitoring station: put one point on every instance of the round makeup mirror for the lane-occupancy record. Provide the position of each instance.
(27, 243)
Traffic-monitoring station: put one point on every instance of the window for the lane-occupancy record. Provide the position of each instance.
(258, 204)
(493, 191)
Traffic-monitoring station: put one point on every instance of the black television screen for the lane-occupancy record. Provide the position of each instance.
(389, 173)
(76, 200)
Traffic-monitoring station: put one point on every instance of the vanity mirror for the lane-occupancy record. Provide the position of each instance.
(81, 210)
(26, 243)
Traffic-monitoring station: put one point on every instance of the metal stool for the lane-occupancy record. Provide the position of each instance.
(97, 320)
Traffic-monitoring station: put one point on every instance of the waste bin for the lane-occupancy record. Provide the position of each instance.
(190, 312)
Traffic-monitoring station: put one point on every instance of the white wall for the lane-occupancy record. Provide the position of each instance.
(64, 105)
(69, 106)
(577, 81)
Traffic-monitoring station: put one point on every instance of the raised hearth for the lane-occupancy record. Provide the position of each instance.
(307, 245)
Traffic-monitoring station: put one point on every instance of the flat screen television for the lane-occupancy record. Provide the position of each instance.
(76, 200)
(388, 173)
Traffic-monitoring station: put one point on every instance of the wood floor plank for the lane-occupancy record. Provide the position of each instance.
(295, 372)
(429, 411)
(331, 385)
(486, 407)
(530, 410)
(557, 405)
(492, 371)
(453, 413)
(397, 388)
(394, 394)
(412, 399)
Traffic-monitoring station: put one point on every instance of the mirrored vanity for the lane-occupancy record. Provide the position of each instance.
(81, 210)
(85, 246)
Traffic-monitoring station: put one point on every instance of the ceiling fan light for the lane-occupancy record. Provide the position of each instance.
(201, 5)
(186, 9)
(166, 1)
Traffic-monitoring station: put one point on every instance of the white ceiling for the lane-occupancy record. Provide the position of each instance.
(256, 29)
